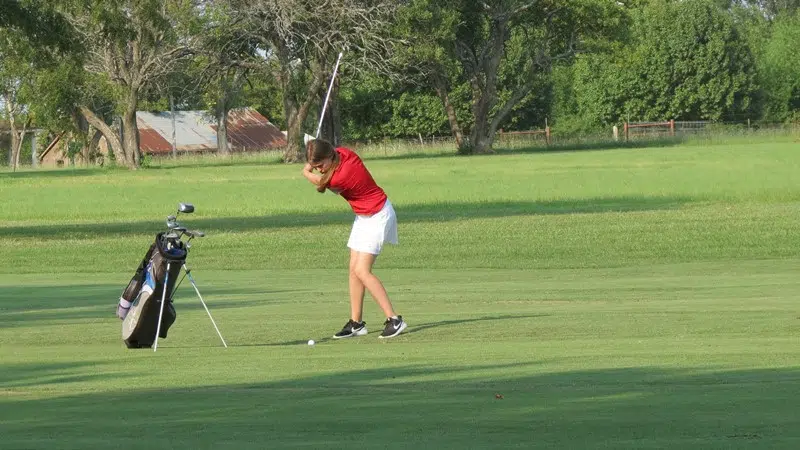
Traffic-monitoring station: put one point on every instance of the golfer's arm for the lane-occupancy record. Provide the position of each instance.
(314, 178)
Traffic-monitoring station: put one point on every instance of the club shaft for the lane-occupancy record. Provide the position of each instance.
(161, 313)
(327, 96)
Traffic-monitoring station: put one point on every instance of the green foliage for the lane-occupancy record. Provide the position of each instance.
(691, 64)
(504, 51)
(74, 148)
(41, 23)
(264, 94)
(416, 113)
(58, 89)
(780, 70)
(147, 161)
(364, 104)
(685, 60)
(374, 108)
(581, 103)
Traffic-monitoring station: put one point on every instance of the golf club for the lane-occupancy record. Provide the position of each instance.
(327, 96)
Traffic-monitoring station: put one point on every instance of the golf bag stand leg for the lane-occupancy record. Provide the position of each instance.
(161, 312)
(194, 285)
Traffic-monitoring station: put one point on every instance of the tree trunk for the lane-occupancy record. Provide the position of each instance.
(294, 141)
(34, 150)
(112, 138)
(297, 109)
(294, 138)
(18, 151)
(295, 118)
(17, 139)
(130, 135)
(482, 144)
(441, 90)
(221, 112)
(480, 140)
(16, 143)
(482, 68)
(92, 154)
(222, 129)
(16, 136)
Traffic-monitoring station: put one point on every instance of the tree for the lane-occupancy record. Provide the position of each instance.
(504, 49)
(220, 78)
(17, 74)
(16, 78)
(429, 30)
(130, 45)
(297, 41)
(36, 44)
(780, 70)
(37, 20)
(685, 60)
(691, 63)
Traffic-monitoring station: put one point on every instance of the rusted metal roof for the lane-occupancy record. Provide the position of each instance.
(196, 131)
(150, 141)
(249, 130)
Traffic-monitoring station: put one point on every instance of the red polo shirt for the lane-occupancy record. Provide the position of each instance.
(355, 184)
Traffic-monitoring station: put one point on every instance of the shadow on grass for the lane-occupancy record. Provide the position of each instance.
(408, 213)
(58, 173)
(517, 405)
(27, 306)
(411, 329)
(168, 165)
(445, 323)
(35, 374)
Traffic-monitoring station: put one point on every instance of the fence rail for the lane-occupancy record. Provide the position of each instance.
(547, 137)
(636, 131)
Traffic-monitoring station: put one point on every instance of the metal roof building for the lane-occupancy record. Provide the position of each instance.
(196, 131)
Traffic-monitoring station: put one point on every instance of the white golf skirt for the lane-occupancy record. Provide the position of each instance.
(370, 232)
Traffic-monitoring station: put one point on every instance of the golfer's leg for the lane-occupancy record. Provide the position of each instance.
(356, 290)
(363, 270)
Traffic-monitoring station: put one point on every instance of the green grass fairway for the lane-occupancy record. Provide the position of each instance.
(631, 298)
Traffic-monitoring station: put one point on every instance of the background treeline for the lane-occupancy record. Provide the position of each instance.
(414, 68)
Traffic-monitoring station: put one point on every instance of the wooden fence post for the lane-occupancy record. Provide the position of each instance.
(672, 127)
(625, 131)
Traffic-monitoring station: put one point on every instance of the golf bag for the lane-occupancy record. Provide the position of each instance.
(140, 304)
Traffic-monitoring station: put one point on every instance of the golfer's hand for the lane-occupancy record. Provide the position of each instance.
(308, 173)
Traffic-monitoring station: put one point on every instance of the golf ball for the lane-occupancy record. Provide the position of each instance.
(311, 342)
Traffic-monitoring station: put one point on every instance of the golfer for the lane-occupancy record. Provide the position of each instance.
(343, 172)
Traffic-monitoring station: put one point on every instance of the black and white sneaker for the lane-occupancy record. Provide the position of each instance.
(393, 327)
(351, 329)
